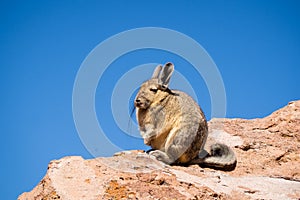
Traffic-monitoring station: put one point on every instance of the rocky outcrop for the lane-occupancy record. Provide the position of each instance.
(268, 152)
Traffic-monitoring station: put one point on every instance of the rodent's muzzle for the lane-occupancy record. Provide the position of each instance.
(137, 103)
(141, 103)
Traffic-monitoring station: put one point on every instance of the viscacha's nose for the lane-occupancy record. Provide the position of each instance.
(137, 102)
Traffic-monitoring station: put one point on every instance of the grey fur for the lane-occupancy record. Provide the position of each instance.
(165, 75)
(173, 124)
(157, 71)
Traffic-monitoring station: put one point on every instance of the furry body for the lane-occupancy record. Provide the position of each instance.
(173, 124)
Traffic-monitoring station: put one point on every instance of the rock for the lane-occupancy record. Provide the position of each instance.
(268, 167)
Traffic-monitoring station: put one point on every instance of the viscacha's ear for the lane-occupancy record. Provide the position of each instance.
(156, 72)
(165, 75)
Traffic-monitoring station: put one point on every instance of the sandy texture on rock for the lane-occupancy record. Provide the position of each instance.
(268, 152)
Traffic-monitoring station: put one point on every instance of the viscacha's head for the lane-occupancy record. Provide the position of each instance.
(156, 88)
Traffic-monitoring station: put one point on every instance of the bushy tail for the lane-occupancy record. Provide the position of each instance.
(220, 157)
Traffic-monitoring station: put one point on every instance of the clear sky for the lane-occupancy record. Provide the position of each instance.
(254, 44)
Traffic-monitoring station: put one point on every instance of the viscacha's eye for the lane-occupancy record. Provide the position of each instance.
(153, 90)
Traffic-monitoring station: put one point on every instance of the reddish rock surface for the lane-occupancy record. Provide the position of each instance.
(268, 152)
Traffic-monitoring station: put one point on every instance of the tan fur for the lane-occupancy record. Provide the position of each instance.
(171, 122)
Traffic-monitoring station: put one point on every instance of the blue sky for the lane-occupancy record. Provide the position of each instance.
(255, 45)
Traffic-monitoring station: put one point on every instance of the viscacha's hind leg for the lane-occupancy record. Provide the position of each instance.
(162, 156)
(182, 145)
